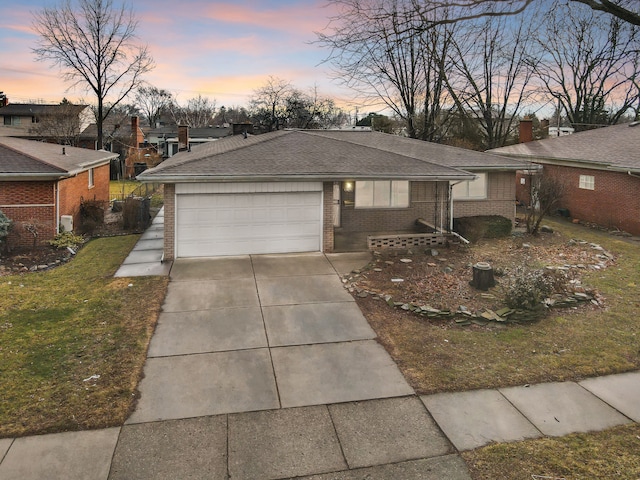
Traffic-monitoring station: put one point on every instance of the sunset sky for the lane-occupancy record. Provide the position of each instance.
(222, 50)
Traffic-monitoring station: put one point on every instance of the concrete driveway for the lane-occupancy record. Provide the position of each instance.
(250, 333)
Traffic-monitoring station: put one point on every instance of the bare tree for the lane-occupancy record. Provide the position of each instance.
(490, 77)
(591, 66)
(96, 47)
(378, 50)
(269, 102)
(198, 112)
(626, 10)
(61, 123)
(153, 102)
(545, 194)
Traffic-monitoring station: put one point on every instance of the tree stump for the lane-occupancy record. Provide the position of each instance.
(482, 276)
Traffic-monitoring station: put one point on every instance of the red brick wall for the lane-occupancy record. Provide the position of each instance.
(29, 203)
(73, 189)
(614, 202)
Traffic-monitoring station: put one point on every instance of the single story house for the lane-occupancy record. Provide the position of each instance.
(600, 170)
(293, 190)
(42, 186)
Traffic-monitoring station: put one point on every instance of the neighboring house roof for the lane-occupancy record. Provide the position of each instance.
(30, 109)
(611, 148)
(302, 154)
(22, 159)
(205, 132)
(456, 157)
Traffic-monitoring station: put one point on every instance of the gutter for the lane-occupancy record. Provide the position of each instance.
(289, 178)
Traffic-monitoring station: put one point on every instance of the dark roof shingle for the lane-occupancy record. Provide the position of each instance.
(27, 157)
(323, 154)
(617, 147)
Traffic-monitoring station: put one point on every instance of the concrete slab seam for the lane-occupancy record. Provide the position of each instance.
(266, 333)
(520, 412)
(435, 422)
(631, 420)
(7, 452)
(335, 430)
(113, 454)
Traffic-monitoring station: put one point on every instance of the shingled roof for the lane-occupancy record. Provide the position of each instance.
(612, 148)
(39, 109)
(323, 155)
(22, 159)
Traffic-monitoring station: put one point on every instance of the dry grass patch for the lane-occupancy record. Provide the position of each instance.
(612, 453)
(73, 341)
(568, 344)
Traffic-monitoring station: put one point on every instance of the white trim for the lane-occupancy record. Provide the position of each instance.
(248, 187)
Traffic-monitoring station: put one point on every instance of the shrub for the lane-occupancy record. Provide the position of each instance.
(529, 288)
(67, 239)
(487, 226)
(5, 227)
(91, 215)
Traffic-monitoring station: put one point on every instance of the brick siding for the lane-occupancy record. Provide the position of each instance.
(614, 202)
(501, 198)
(327, 217)
(29, 203)
(169, 221)
(74, 189)
(422, 204)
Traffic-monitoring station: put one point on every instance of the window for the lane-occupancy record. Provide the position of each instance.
(90, 177)
(471, 188)
(382, 194)
(11, 120)
(588, 182)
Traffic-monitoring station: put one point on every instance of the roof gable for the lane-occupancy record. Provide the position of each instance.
(616, 147)
(296, 154)
(22, 157)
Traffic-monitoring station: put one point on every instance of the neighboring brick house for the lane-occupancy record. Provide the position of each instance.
(293, 190)
(600, 170)
(42, 185)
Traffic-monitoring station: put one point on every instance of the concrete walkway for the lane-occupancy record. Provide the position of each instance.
(146, 256)
(263, 367)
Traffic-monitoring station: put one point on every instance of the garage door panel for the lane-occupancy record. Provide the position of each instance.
(234, 224)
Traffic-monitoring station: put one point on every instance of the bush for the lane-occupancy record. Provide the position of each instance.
(487, 226)
(5, 227)
(91, 215)
(67, 239)
(530, 288)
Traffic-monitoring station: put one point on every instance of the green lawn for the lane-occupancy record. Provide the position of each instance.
(122, 188)
(73, 341)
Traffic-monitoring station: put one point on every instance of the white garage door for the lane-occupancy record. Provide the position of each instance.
(248, 223)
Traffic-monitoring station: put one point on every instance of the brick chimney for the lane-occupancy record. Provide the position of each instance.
(137, 137)
(183, 138)
(526, 130)
(4, 100)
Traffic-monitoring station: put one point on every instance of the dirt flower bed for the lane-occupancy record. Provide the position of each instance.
(436, 282)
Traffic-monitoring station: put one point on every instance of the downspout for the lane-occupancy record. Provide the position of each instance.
(451, 185)
(56, 208)
(464, 240)
(632, 174)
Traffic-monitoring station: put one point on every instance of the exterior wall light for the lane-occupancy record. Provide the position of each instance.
(348, 186)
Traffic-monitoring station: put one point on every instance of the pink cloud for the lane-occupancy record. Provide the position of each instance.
(305, 18)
